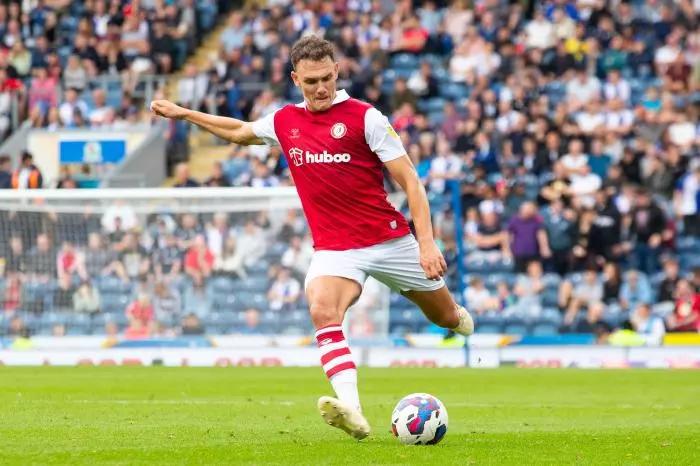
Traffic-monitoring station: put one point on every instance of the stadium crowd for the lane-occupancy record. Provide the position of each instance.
(568, 129)
(76, 64)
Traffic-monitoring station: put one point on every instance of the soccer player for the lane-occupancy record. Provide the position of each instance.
(336, 147)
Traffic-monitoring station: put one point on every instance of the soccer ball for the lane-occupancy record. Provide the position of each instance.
(419, 419)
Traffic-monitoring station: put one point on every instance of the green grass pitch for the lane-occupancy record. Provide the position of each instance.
(158, 415)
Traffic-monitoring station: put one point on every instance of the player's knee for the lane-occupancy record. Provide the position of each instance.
(323, 315)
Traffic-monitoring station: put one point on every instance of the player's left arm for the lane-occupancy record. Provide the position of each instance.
(431, 259)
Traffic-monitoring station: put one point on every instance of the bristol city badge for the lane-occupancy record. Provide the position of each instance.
(338, 130)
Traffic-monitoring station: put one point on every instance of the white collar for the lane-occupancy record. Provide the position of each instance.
(340, 96)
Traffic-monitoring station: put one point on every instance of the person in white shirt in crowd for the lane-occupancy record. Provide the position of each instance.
(583, 187)
(251, 243)
(217, 232)
(616, 87)
(284, 291)
(582, 89)
(540, 33)
(445, 166)
(192, 87)
(70, 104)
(478, 297)
(100, 113)
(648, 325)
(298, 256)
(591, 120)
(575, 160)
(619, 119)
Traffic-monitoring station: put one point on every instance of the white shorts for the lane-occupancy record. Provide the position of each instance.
(396, 263)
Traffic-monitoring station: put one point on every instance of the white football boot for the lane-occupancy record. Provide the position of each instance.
(466, 323)
(343, 416)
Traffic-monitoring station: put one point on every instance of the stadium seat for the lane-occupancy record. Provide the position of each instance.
(404, 61)
(542, 327)
(515, 326)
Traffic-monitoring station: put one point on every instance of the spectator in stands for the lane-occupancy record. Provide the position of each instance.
(560, 225)
(182, 177)
(27, 175)
(63, 294)
(134, 257)
(87, 298)
(490, 239)
(217, 232)
(593, 323)
(249, 243)
(70, 262)
(140, 316)
(528, 290)
(251, 322)
(230, 262)
(635, 290)
(15, 257)
(192, 87)
(102, 261)
(217, 177)
(479, 299)
(166, 301)
(199, 260)
(167, 260)
(41, 260)
(297, 257)
(528, 238)
(650, 326)
(43, 91)
(284, 291)
(5, 172)
(686, 314)
(671, 277)
(612, 282)
(71, 105)
(687, 200)
(648, 223)
(191, 325)
(100, 113)
(586, 292)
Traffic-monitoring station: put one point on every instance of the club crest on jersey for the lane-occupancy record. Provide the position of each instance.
(300, 157)
(338, 130)
(294, 133)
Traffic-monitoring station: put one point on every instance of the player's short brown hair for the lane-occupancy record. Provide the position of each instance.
(311, 48)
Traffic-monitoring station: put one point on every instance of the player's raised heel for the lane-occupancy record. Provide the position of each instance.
(466, 323)
(343, 416)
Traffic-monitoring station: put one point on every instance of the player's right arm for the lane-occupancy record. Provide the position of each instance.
(230, 129)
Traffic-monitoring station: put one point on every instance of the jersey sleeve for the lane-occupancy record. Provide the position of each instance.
(264, 128)
(381, 137)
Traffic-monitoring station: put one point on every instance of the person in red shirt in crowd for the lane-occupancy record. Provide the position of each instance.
(141, 318)
(69, 261)
(413, 36)
(199, 260)
(686, 315)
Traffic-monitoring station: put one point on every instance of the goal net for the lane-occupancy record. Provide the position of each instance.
(158, 262)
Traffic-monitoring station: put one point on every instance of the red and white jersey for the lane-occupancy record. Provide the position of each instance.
(335, 158)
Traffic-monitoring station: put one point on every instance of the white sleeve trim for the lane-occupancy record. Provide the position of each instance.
(381, 137)
(264, 128)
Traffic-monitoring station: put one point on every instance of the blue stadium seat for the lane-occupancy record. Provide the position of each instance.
(489, 324)
(404, 61)
(542, 327)
(411, 318)
(261, 266)
(221, 284)
(515, 326)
